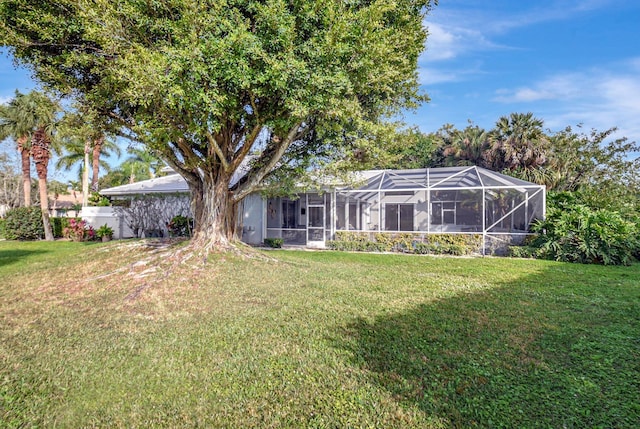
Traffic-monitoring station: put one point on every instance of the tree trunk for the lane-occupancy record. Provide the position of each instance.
(44, 206)
(85, 175)
(40, 152)
(215, 214)
(25, 155)
(97, 148)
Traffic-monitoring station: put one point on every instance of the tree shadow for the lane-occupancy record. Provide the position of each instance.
(525, 354)
(8, 257)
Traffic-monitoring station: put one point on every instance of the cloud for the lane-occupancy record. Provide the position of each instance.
(558, 87)
(598, 98)
(455, 31)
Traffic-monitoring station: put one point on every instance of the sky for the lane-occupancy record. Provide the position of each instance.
(569, 62)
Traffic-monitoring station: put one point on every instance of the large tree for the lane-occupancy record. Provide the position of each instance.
(206, 83)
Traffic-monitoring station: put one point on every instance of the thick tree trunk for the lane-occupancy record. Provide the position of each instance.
(215, 214)
(25, 155)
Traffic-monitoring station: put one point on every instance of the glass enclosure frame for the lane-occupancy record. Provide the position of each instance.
(452, 200)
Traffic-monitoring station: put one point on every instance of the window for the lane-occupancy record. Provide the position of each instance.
(443, 213)
(289, 214)
(398, 217)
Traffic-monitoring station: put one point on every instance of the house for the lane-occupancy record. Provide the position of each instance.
(452, 200)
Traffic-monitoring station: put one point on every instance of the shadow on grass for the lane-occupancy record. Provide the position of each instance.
(532, 354)
(8, 257)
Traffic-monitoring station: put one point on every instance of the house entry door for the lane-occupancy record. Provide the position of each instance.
(315, 225)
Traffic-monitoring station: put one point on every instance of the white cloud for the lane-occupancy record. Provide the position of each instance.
(598, 98)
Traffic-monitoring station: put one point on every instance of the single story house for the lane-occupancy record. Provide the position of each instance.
(453, 200)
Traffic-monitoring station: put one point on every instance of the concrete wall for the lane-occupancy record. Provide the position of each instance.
(98, 216)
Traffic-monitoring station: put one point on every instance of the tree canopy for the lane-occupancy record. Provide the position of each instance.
(206, 83)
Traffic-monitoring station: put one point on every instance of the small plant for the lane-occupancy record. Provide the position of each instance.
(180, 226)
(276, 243)
(79, 230)
(105, 232)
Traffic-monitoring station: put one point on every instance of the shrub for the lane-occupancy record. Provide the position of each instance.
(575, 232)
(104, 231)
(274, 242)
(2, 223)
(58, 224)
(180, 226)
(450, 244)
(95, 199)
(78, 230)
(23, 223)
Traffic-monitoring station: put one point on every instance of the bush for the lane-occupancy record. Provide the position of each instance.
(78, 230)
(23, 223)
(418, 243)
(180, 226)
(274, 242)
(2, 223)
(104, 231)
(576, 232)
(58, 224)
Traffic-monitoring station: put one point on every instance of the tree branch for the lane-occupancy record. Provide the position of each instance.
(244, 188)
(242, 152)
(218, 151)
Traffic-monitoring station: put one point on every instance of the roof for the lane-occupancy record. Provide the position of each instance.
(171, 184)
(442, 178)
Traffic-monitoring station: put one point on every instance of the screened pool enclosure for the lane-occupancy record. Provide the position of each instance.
(452, 200)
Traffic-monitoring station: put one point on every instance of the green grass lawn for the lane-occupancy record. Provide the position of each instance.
(89, 337)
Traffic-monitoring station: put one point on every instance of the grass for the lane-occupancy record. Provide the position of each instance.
(89, 337)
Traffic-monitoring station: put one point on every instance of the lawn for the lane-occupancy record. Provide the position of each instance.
(120, 335)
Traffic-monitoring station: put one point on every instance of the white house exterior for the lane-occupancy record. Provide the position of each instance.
(452, 200)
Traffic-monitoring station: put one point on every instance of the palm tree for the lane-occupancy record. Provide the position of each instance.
(43, 111)
(85, 142)
(17, 121)
(518, 142)
(467, 147)
(74, 154)
(142, 164)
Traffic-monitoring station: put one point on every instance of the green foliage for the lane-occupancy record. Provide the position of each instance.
(275, 243)
(95, 199)
(24, 223)
(180, 226)
(2, 227)
(58, 224)
(295, 84)
(575, 232)
(79, 230)
(104, 231)
(418, 243)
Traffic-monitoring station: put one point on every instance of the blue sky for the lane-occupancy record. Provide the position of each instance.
(569, 62)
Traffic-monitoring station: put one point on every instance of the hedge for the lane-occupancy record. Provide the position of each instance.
(418, 243)
(23, 223)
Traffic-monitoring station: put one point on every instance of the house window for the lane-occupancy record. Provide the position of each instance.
(443, 213)
(289, 214)
(398, 217)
